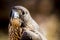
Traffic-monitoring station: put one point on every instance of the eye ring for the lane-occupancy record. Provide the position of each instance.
(26, 12)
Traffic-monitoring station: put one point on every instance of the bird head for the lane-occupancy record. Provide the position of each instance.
(20, 12)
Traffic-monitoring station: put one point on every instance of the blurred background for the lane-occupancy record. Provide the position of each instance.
(45, 12)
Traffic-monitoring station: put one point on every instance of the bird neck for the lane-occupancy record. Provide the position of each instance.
(33, 24)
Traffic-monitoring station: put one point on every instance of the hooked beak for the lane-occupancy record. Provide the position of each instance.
(16, 13)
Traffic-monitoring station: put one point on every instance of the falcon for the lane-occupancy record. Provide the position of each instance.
(22, 26)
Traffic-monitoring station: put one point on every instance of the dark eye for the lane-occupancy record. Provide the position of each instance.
(23, 13)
